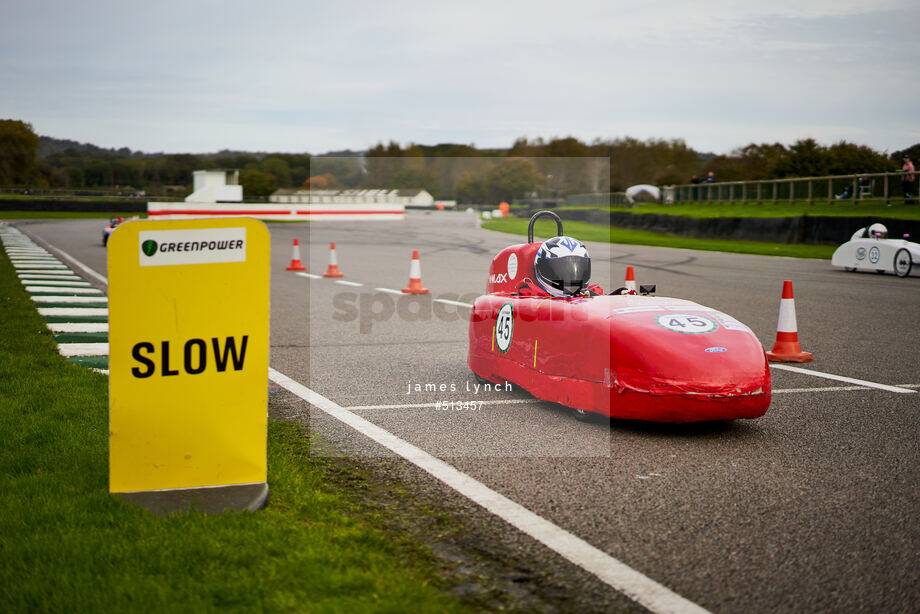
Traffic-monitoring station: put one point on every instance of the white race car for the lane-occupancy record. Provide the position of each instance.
(870, 249)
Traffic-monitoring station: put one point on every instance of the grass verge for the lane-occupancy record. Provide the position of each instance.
(602, 234)
(67, 545)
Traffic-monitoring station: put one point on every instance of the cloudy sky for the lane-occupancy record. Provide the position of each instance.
(298, 75)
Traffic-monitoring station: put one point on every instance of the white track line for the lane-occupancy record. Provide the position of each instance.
(448, 302)
(48, 273)
(609, 570)
(840, 378)
(824, 389)
(348, 283)
(417, 405)
(310, 275)
(390, 290)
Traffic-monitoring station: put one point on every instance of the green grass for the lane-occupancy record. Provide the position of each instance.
(779, 209)
(39, 215)
(592, 232)
(66, 545)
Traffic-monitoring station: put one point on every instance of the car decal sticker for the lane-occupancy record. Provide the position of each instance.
(686, 323)
(504, 327)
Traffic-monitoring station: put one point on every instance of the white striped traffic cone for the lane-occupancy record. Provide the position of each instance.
(296, 264)
(415, 276)
(333, 269)
(787, 348)
(630, 282)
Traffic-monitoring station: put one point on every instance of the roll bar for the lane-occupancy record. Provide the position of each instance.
(533, 219)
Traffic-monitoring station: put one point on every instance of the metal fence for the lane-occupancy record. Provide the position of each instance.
(883, 187)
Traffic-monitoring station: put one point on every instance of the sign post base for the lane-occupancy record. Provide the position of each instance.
(210, 499)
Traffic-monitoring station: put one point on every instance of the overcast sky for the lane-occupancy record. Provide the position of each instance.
(200, 76)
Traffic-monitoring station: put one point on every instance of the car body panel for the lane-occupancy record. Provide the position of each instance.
(624, 356)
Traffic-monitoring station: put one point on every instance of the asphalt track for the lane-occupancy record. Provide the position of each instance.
(813, 508)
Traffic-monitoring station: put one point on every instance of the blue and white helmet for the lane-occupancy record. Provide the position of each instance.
(562, 266)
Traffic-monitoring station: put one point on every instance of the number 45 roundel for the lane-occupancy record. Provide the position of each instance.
(686, 323)
(504, 327)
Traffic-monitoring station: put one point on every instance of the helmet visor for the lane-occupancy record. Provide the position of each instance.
(569, 273)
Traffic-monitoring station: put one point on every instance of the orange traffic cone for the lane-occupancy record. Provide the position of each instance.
(415, 276)
(296, 264)
(630, 282)
(333, 269)
(787, 348)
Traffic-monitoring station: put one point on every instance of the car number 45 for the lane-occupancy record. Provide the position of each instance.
(504, 327)
(686, 323)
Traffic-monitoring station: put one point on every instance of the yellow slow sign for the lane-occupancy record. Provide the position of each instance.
(188, 353)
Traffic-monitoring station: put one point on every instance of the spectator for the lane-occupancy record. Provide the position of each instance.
(711, 177)
(907, 181)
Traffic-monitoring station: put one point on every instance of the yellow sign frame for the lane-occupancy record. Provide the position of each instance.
(188, 353)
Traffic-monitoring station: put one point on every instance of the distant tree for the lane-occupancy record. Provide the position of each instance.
(18, 149)
(749, 163)
(99, 173)
(471, 188)
(424, 178)
(326, 181)
(804, 159)
(382, 164)
(913, 151)
(347, 170)
(279, 168)
(299, 174)
(848, 159)
(654, 161)
(512, 178)
(257, 184)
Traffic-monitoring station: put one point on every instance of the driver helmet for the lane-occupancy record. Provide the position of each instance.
(878, 231)
(562, 266)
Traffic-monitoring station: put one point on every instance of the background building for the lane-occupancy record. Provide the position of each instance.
(407, 198)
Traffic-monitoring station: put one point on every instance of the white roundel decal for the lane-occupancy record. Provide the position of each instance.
(686, 323)
(873, 255)
(504, 327)
(512, 266)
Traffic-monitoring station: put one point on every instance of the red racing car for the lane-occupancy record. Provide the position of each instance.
(543, 326)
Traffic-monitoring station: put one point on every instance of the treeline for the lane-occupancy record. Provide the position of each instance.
(805, 158)
(535, 168)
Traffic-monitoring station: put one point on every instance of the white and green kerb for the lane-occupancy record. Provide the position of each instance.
(76, 313)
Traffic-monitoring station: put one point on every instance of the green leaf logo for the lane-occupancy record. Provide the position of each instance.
(149, 247)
